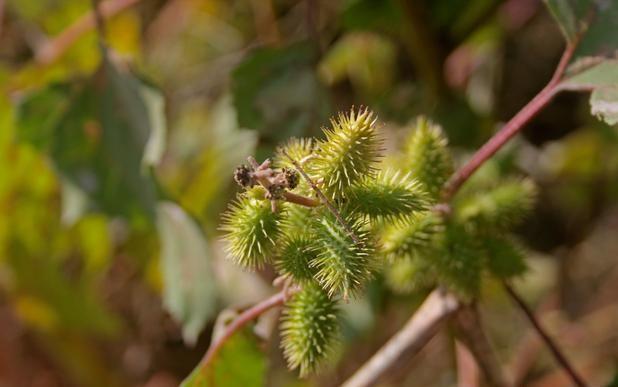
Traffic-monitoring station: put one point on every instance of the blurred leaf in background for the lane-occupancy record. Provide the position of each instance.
(366, 59)
(189, 285)
(103, 134)
(276, 92)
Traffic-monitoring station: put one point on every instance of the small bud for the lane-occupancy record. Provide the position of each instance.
(243, 176)
(290, 177)
(275, 191)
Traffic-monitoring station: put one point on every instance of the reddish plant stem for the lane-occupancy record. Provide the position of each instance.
(239, 322)
(553, 347)
(511, 128)
(55, 47)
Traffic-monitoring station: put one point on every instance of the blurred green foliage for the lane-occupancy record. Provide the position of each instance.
(114, 169)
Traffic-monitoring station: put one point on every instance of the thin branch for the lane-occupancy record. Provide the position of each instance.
(467, 369)
(2, 8)
(410, 339)
(323, 197)
(470, 330)
(57, 46)
(243, 319)
(511, 128)
(553, 347)
(530, 345)
(265, 21)
(99, 23)
(300, 199)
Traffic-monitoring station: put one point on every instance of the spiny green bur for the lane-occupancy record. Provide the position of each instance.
(409, 275)
(343, 265)
(349, 153)
(388, 197)
(309, 326)
(412, 237)
(427, 156)
(296, 254)
(251, 229)
(502, 206)
(385, 218)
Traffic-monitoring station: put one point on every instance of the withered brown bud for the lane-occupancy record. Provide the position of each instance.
(243, 176)
(290, 177)
(275, 191)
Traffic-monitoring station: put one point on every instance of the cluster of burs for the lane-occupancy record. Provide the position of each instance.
(388, 221)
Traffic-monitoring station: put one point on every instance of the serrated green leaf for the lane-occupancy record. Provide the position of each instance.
(239, 363)
(602, 79)
(189, 292)
(604, 73)
(604, 104)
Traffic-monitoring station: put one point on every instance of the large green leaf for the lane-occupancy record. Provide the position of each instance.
(276, 91)
(239, 363)
(592, 25)
(189, 286)
(102, 134)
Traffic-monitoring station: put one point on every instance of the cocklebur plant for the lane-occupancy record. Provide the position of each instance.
(331, 230)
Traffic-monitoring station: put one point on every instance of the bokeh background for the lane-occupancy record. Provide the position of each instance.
(113, 177)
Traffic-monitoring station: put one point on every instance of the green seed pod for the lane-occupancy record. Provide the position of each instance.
(251, 229)
(350, 152)
(505, 256)
(413, 237)
(297, 149)
(296, 254)
(406, 276)
(297, 219)
(389, 197)
(343, 265)
(309, 326)
(502, 207)
(427, 156)
(459, 262)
